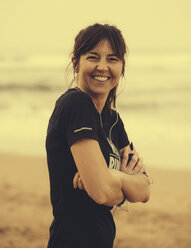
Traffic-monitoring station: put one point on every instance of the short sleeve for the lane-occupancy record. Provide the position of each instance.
(79, 118)
(123, 139)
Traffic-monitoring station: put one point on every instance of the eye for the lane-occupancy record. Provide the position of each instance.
(92, 57)
(113, 59)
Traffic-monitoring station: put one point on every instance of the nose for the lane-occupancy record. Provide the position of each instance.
(102, 65)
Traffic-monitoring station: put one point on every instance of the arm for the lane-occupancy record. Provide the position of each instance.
(101, 185)
(135, 187)
(140, 179)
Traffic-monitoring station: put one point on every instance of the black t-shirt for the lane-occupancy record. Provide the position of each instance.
(78, 220)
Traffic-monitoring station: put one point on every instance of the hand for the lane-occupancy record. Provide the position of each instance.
(77, 182)
(124, 153)
(135, 166)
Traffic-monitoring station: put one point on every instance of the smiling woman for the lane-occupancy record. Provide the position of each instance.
(88, 148)
(89, 42)
(99, 71)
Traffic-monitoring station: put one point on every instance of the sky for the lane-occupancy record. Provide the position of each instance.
(53, 24)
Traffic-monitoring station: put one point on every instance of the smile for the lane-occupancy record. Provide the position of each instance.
(100, 78)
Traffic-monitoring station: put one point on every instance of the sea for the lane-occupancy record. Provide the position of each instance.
(154, 101)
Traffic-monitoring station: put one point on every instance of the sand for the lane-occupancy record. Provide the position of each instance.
(25, 216)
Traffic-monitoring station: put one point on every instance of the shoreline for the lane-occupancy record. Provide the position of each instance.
(43, 157)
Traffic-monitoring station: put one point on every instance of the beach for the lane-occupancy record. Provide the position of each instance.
(26, 214)
(39, 40)
(154, 105)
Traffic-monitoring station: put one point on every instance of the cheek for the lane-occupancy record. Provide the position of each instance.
(117, 71)
(85, 69)
(117, 67)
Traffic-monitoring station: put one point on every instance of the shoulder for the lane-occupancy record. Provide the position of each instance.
(115, 118)
(73, 98)
(116, 115)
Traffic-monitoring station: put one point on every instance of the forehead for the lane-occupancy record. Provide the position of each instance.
(104, 47)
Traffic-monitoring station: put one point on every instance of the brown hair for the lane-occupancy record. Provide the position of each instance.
(89, 37)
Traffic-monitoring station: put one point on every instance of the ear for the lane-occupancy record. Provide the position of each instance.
(123, 70)
(75, 65)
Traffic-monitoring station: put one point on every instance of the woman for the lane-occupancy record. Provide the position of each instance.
(88, 148)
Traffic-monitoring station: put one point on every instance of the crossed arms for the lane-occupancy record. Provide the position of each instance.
(107, 186)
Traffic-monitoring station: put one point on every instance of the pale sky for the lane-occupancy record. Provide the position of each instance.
(53, 24)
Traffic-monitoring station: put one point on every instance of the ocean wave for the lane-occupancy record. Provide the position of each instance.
(36, 87)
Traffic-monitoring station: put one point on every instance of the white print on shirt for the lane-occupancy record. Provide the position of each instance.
(82, 128)
(114, 158)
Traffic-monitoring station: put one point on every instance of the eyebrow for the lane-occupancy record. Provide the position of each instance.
(109, 55)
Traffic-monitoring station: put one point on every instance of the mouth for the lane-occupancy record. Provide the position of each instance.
(100, 78)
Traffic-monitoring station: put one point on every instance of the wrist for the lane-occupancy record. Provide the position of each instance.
(121, 203)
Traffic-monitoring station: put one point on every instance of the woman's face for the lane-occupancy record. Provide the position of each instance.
(99, 70)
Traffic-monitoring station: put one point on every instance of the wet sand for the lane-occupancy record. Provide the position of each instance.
(25, 216)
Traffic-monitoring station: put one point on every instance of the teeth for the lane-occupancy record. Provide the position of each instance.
(101, 78)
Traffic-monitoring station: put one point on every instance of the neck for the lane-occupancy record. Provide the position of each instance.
(98, 100)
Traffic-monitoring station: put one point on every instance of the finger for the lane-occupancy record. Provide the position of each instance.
(124, 165)
(124, 153)
(80, 184)
(75, 180)
(133, 161)
(130, 155)
(138, 166)
(124, 160)
(143, 170)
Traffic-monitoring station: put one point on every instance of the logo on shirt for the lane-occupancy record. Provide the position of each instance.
(82, 128)
(114, 157)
